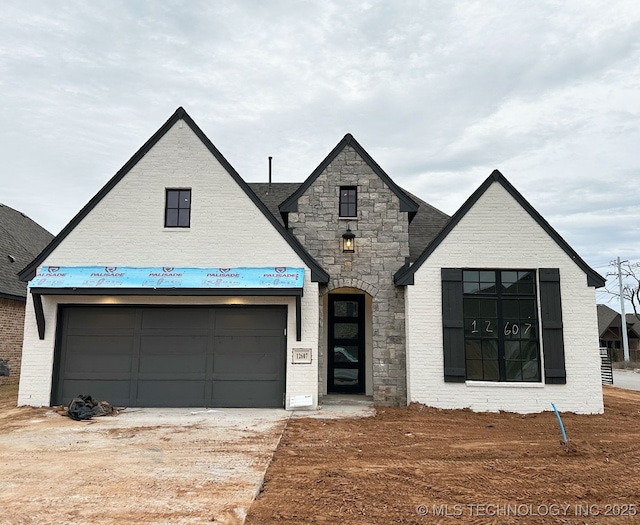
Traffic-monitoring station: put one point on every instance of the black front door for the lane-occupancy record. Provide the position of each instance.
(346, 343)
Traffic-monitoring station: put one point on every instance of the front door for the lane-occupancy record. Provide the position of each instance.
(346, 343)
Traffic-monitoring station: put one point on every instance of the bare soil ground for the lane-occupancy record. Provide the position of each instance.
(404, 465)
(174, 466)
(421, 465)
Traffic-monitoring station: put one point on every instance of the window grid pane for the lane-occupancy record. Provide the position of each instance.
(171, 218)
(501, 325)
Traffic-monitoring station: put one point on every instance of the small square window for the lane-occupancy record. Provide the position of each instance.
(348, 201)
(178, 209)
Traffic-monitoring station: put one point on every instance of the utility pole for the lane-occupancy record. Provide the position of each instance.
(623, 327)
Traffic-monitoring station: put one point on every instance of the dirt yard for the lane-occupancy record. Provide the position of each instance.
(425, 466)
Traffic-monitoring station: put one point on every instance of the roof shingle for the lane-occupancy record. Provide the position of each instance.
(21, 240)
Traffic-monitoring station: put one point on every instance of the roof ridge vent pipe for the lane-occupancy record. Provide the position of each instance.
(270, 174)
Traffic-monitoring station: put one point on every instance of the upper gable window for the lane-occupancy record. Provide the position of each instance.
(177, 212)
(348, 201)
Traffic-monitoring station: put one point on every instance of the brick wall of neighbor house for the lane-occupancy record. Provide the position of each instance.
(126, 228)
(11, 330)
(498, 233)
(382, 243)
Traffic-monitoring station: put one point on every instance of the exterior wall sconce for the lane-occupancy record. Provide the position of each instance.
(348, 241)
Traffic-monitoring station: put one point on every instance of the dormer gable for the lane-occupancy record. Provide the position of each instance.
(406, 203)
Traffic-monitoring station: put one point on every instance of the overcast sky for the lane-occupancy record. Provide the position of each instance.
(438, 92)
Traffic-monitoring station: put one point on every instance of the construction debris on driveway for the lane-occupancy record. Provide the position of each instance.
(82, 408)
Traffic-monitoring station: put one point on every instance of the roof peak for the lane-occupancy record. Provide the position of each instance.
(318, 272)
(407, 204)
(404, 276)
(496, 175)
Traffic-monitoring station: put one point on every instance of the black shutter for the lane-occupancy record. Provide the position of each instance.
(453, 326)
(552, 338)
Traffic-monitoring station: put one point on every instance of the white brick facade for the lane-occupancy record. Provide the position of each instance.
(126, 228)
(498, 233)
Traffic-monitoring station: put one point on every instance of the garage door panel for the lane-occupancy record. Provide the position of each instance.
(171, 393)
(180, 319)
(264, 343)
(247, 377)
(177, 353)
(105, 344)
(100, 364)
(184, 363)
(168, 376)
(99, 376)
(244, 365)
(111, 354)
(80, 320)
(248, 394)
(246, 361)
(250, 332)
(240, 319)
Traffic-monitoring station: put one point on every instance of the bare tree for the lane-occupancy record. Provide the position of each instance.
(630, 272)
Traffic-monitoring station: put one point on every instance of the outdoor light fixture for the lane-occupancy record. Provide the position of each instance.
(348, 241)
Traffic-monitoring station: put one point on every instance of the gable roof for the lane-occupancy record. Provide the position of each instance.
(607, 318)
(318, 274)
(406, 203)
(21, 239)
(633, 323)
(404, 276)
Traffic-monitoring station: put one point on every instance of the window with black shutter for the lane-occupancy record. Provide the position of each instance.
(491, 327)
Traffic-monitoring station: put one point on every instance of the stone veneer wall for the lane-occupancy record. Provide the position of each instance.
(382, 243)
(11, 330)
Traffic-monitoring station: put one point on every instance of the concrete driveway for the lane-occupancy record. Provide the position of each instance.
(178, 466)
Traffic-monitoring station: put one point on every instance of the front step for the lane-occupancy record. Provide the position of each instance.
(346, 400)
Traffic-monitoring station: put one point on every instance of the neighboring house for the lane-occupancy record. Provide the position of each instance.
(21, 240)
(609, 323)
(179, 284)
(633, 325)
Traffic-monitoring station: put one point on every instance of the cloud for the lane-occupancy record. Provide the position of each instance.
(439, 93)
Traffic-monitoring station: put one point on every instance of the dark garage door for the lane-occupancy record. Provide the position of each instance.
(172, 356)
